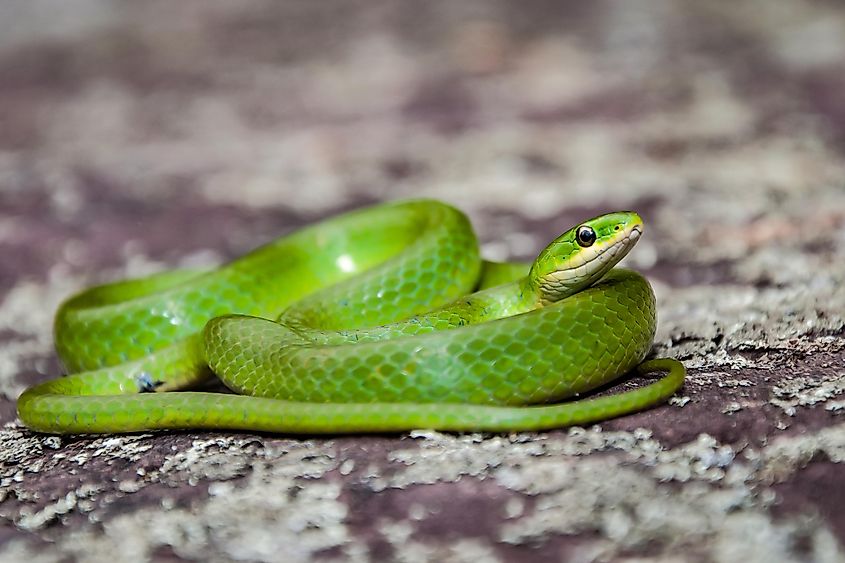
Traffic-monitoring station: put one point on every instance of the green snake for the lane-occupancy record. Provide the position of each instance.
(379, 320)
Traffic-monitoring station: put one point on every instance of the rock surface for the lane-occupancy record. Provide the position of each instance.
(136, 137)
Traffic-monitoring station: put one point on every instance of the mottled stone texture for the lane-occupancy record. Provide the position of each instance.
(140, 136)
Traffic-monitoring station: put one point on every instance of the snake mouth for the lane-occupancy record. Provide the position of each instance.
(612, 251)
(635, 232)
(610, 254)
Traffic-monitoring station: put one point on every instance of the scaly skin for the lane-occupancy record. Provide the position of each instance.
(379, 332)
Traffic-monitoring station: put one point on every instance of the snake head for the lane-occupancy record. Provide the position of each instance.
(582, 255)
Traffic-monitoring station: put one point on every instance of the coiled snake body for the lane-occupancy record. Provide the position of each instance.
(379, 331)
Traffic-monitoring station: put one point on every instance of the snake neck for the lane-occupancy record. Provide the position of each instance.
(483, 306)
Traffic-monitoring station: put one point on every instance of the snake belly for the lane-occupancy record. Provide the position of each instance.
(134, 344)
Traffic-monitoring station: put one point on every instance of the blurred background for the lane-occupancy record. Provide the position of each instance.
(212, 126)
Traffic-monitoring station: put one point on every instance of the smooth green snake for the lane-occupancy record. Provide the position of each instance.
(389, 321)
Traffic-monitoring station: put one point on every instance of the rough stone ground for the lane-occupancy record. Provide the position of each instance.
(140, 136)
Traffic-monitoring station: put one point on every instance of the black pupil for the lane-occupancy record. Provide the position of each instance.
(586, 236)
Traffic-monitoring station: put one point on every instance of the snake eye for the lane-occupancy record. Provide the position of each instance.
(585, 236)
